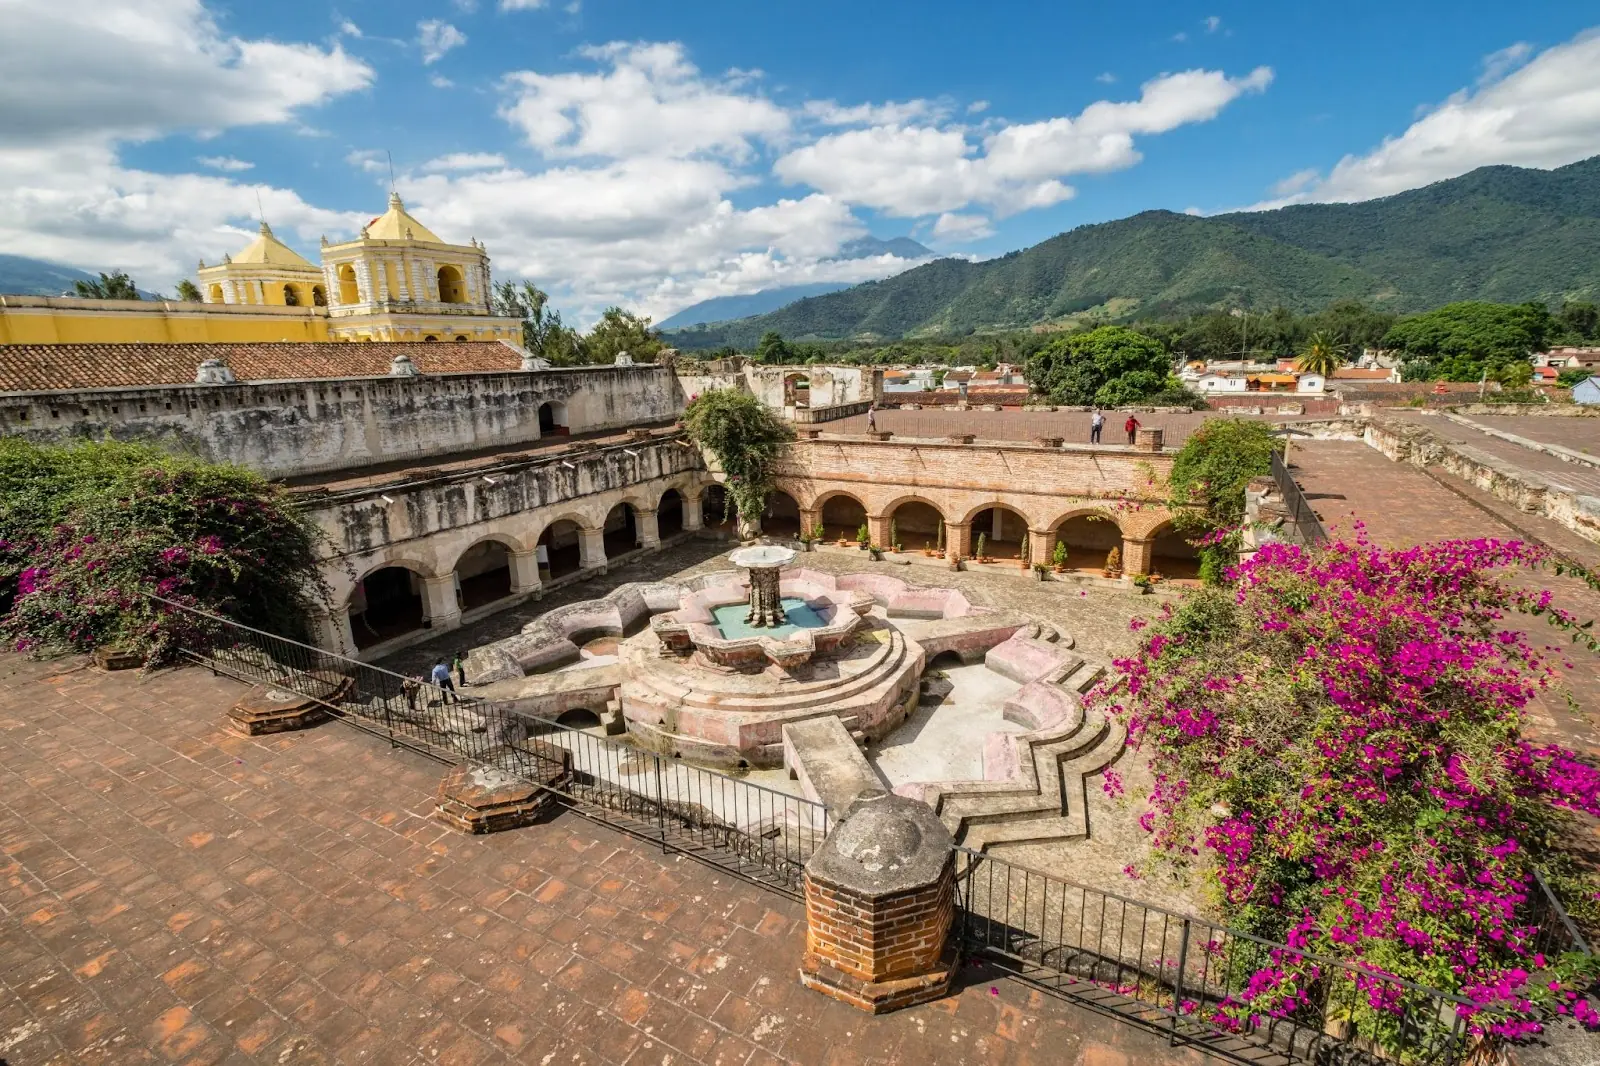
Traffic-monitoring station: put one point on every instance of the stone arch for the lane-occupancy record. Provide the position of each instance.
(797, 390)
(483, 570)
(216, 296)
(553, 418)
(1088, 534)
(319, 296)
(349, 287)
(430, 337)
(452, 286)
(716, 507)
(780, 517)
(388, 601)
(621, 527)
(558, 545)
(916, 522)
(669, 512)
(1001, 525)
(841, 513)
(1171, 554)
(291, 295)
(461, 337)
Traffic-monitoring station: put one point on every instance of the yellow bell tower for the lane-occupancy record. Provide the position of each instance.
(266, 272)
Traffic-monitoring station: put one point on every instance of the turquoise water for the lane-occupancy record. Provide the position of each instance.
(730, 619)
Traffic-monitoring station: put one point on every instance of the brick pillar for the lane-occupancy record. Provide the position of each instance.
(693, 516)
(439, 601)
(1041, 542)
(878, 526)
(957, 540)
(649, 530)
(880, 900)
(1136, 555)
(809, 520)
(592, 548)
(1148, 440)
(524, 572)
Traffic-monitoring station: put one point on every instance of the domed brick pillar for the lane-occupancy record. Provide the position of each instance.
(880, 900)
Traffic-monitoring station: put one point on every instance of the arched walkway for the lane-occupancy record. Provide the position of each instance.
(716, 510)
(781, 516)
(552, 418)
(1088, 538)
(1002, 530)
(621, 530)
(1172, 555)
(559, 553)
(452, 287)
(387, 603)
(842, 517)
(916, 525)
(669, 514)
(349, 290)
(796, 391)
(483, 574)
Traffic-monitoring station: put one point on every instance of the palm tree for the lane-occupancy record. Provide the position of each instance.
(1322, 355)
(116, 286)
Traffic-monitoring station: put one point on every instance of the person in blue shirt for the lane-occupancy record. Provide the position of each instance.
(441, 678)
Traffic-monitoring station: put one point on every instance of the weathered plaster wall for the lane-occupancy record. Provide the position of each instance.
(286, 429)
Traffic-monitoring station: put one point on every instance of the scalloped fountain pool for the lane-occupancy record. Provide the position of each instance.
(800, 614)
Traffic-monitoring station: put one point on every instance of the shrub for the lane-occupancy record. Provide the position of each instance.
(744, 437)
(1114, 559)
(1059, 556)
(1214, 466)
(1337, 746)
(863, 535)
(86, 530)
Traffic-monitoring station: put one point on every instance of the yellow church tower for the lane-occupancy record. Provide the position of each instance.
(397, 281)
(266, 272)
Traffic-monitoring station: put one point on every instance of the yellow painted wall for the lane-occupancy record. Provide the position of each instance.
(69, 322)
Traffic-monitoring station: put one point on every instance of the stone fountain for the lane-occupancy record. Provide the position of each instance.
(763, 561)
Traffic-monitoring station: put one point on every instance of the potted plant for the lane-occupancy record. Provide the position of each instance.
(864, 537)
(938, 548)
(983, 547)
(1113, 567)
(1059, 557)
(1024, 549)
(876, 553)
(819, 534)
(1039, 570)
(1143, 583)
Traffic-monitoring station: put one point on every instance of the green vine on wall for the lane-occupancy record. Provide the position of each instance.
(745, 438)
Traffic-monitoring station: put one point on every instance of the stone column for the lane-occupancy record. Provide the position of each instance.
(808, 521)
(333, 632)
(957, 540)
(524, 572)
(878, 529)
(1148, 440)
(592, 548)
(439, 604)
(692, 517)
(880, 900)
(1041, 542)
(1136, 555)
(649, 529)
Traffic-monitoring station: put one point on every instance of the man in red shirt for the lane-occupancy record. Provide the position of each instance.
(1132, 426)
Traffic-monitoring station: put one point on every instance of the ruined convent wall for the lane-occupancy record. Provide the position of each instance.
(287, 429)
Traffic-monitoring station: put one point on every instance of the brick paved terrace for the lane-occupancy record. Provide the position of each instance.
(173, 892)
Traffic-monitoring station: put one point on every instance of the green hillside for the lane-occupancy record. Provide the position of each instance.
(1504, 234)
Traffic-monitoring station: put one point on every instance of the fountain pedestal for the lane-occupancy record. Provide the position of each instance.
(764, 562)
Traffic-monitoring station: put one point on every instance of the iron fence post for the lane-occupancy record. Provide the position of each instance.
(661, 806)
(1177, 982)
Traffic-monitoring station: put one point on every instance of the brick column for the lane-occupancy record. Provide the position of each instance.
(880, 900)
(1148, 440)
(693, 516)
(1041, 542)
(1136, 555)
(524, 572)
(809, 520)
(957, 540)
(878, 529)
(591, 548)
(439, 601)
(649, 530)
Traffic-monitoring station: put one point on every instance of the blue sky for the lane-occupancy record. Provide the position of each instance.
(655, 154)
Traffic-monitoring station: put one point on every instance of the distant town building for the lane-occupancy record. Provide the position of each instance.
(1569, 358)
(1587, 391)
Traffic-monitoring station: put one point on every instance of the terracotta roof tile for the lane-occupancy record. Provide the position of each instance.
(48, 367)
(1357, 373)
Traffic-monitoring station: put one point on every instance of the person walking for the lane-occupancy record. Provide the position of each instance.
(409, 688)
(441, 679)
(1132, 426)
(1097, 422)
(459, 665)
(872, 419)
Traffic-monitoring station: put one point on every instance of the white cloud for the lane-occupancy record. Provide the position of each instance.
(368, 161)
(521, 5)
(650, 102)
(1498, 64)
(436, 37)
(1212, 23)
(830, 113)
(573, 7)
(465, 161)
(957, 228)
(1544, 114)
(224, 162)
(1107, 78)
(349, 29)
(1299, 180)
(977, 107)
(914, 170)
(439, 81)
(1180, 36)
(466, 6)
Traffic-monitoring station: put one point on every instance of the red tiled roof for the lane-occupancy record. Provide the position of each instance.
(1355, 373)
(46, 367)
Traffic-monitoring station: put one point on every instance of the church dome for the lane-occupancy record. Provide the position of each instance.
(268, 250)
(397, 224)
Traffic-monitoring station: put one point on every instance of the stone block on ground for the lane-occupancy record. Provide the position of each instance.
(489, 799)
(299, 702)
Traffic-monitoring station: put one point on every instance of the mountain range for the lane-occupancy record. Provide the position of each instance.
(21, 276)
(1498, 233)
(721, 308)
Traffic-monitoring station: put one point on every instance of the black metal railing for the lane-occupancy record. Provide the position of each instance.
(753, 831)
(1239, 995)
(1308, 527)
(1557, 933)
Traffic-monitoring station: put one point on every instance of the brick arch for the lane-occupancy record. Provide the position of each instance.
(888, 509)
(1145, 523)
(1016, 509)
(824, 496)
(1088, 511)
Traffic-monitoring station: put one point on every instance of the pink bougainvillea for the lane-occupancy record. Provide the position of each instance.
(1336, 743)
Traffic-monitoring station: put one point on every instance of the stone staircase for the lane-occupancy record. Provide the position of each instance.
(1035, 783)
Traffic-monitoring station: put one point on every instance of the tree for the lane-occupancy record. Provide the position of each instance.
(1214, 466)
(543, 334)
(189, 292)
(773, 348)
(1110, 366)
(621, 331)
(1463, 341)
(1570, 377)
(1577, 323)
(744, 437)
(114, 286)
(1322, 355)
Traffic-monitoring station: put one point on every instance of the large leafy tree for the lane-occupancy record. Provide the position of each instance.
(745, 438)
(773, 348)
(113, 286)
(1322, 354)
(1216, 463)
(543, 334)
(1110, 366)
(1464, 341)
(189, 292)
(621, 331)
